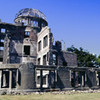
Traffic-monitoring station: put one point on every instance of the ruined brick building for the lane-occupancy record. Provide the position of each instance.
(29, 60)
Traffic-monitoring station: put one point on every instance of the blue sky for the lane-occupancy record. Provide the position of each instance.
(77, 22)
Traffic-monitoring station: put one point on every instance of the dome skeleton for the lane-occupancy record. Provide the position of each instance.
(30, 12)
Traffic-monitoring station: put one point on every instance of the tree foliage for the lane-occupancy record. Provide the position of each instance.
(84, 58)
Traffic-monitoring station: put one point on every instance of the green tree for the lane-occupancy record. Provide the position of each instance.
(98, 61)
(84, 58)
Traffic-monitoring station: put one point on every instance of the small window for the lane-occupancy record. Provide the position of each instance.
(1, 48)
(26, 50)
(25, 23)
(2, 40)
(54, 59)
(31, 23)
(39, 45)
(1, 59)
(64, 63)
(3, 30)
(45, 41)
(44, 60)
(22, 21)
(27, 34)
(42, 25)
(35, 23)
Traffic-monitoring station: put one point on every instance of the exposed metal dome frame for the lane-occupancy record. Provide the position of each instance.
(30, 12)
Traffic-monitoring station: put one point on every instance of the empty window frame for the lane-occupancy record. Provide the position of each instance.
(14, 77)
(22, 21)
(45, 41)
(39, 61)
(39, 45)
(44, 80)
(1, 59)
(5, 79)
(26, 50)
(3, 30)
(2, 40)
(25, 23)
(42, 25)
(1, 48)
(38, 79)
(35, 23)
(44, 60)
(31, 22)
(54, 59)
(27, 34)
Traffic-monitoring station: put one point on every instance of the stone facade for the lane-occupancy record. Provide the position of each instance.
(31, 40)
(24, 77)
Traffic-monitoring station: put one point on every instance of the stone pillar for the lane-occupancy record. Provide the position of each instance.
(10, 79)
(29, 21)
(0, 78)
(54, 78)
(74, 78)
(4, 81)
(80, 73)
(47, 81)
(41, 79)
(17, 79)
(70, 75)
(85, 79)
(82, 80)
(49, 78)
(97, 78)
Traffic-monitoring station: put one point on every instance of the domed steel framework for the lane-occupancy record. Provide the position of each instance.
(31, 17)
(30, 12)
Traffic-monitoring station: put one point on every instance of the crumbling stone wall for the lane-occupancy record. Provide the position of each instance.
(91, 78)
(63, 78)
(26, 76)
(64, 58)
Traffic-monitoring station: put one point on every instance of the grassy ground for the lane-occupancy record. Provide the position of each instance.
(48, 96)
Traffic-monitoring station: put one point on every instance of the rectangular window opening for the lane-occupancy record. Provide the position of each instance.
(45, 41)
(35, 23)
(44, 60)
(39, 45)
(44, 80)
(1, 48)
(26, 50)
(3, 30)
(5, 79)
(54, 59)
(27, 34)
(39, 61)
(2, 40)
(14, 72)
(1, 59)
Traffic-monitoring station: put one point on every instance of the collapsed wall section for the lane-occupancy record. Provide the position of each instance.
(26, 76)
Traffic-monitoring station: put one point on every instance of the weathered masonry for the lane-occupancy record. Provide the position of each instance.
(29, 60)
(30, 40)
(33, 77)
